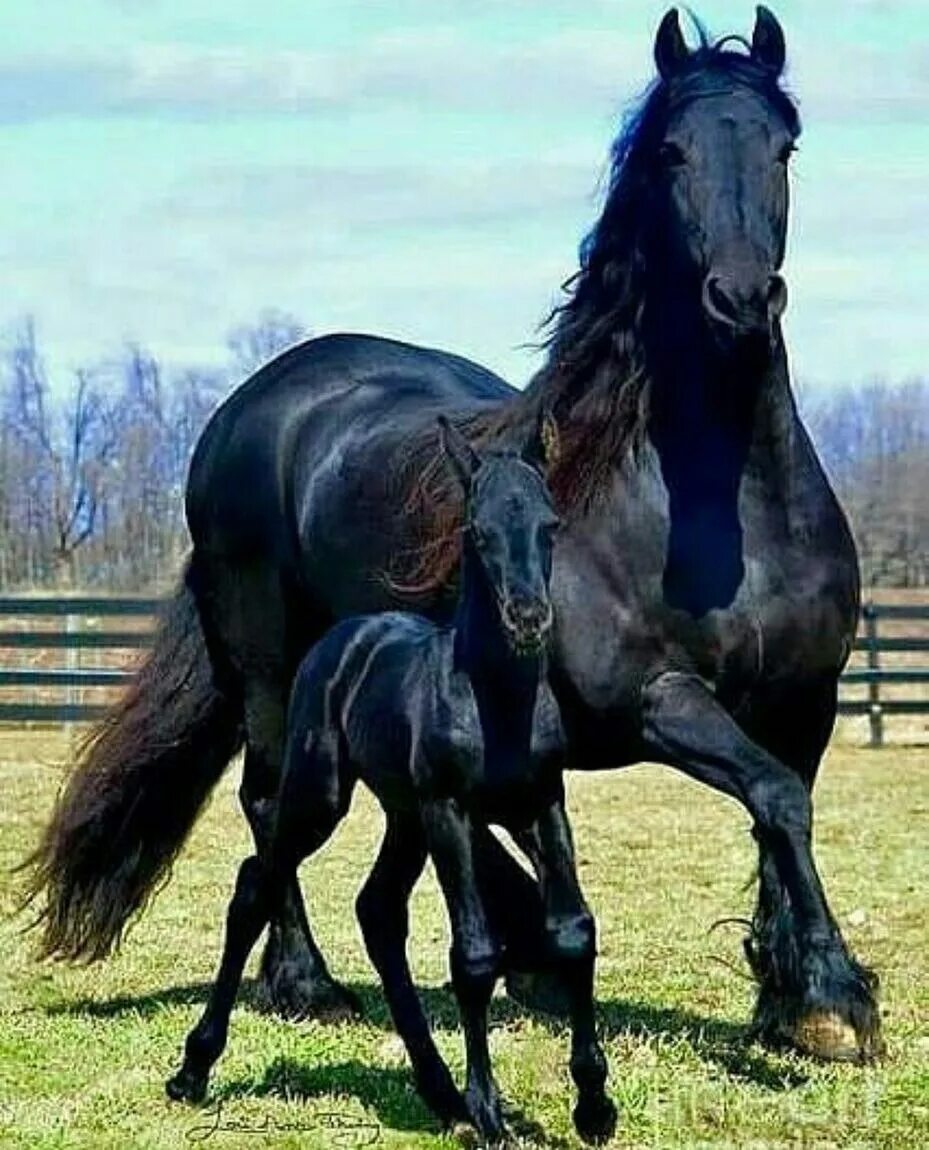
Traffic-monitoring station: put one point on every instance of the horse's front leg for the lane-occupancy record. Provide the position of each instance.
(571, 947)
(475, 955)
(819, 987)
(795, 728)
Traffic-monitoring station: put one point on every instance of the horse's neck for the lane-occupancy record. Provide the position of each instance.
(709, 433)
(505, 685)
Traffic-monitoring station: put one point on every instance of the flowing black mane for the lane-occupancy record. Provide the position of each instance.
(595, 380)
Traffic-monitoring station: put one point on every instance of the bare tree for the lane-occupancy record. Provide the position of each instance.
(63, 450)
(254, 344)
(875, 444)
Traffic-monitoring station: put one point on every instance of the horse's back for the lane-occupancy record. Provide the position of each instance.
(313, 397)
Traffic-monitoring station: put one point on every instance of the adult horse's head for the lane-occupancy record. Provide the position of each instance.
(718, 145)
(509, 528)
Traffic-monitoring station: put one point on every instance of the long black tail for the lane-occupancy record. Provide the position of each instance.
(141, 779)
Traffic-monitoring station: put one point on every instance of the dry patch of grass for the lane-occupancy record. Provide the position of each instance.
(84, 1052)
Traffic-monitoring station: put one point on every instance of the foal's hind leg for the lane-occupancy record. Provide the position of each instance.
(571, 946)
(383, 914)
(248, 913)
(261, 888)
(294, 979)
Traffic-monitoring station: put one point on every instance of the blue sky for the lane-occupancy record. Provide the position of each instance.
(418, 168)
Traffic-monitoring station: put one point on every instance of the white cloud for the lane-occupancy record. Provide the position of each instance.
(432, 68)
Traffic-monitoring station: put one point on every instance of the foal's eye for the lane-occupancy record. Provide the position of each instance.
(671, 156)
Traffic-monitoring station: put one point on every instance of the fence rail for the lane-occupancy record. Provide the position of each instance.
(56, 693)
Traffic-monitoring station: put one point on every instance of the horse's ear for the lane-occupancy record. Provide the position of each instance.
(541, 450)
(670, 47)
(768, 47)
(460, 454)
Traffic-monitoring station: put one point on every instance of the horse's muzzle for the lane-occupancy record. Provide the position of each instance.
(742, 314)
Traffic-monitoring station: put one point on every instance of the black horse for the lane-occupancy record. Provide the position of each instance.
(705, 582)
(450, 726)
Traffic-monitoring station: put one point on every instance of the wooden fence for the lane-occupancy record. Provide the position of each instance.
(38, 688)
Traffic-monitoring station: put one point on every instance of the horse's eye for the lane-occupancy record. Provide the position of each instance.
(783, 156)
(671, 156)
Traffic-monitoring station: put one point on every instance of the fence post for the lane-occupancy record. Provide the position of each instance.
(71, 695)
(875, 714)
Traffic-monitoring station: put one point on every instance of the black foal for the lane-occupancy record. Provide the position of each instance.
(452, 728)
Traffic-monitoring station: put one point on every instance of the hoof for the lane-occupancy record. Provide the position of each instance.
(443, 1098)
(186, 1086)
(824, 1004)
(595, 1121)
(300, 999)
(827, 1036)
(539, 991)
(823, 1033)
(466, 1136)
(486, 1118)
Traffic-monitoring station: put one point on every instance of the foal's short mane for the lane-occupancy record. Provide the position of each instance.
(594, 380)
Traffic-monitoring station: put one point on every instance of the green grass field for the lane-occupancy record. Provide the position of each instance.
(84, 1052)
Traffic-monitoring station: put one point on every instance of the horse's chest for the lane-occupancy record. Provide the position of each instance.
(786, 625)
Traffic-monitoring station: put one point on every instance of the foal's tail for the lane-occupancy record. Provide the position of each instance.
(141, 778)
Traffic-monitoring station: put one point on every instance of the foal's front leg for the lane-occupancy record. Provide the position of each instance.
(475, 957)
(571, 946)
(383, 914)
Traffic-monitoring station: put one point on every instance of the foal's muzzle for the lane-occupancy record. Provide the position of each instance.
(527, 623)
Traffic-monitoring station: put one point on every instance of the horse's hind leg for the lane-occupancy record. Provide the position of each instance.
(254, 629)
(247, 915)
(383, 913)
(570, 944)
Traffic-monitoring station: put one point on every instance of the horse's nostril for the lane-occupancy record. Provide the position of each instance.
(718, 302)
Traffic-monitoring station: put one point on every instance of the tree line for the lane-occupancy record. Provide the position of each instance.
(93, 466)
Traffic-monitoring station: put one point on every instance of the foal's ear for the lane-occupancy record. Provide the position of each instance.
(456, 449)
(670, 47)
(768, 47)
(542, 447)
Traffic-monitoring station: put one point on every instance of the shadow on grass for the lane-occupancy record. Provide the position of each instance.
(721, 1042)
(386, 1092)
(188, 994)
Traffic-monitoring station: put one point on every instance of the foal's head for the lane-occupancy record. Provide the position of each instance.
(509, 527)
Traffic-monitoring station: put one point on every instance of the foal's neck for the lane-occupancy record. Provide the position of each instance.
(505, 684)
